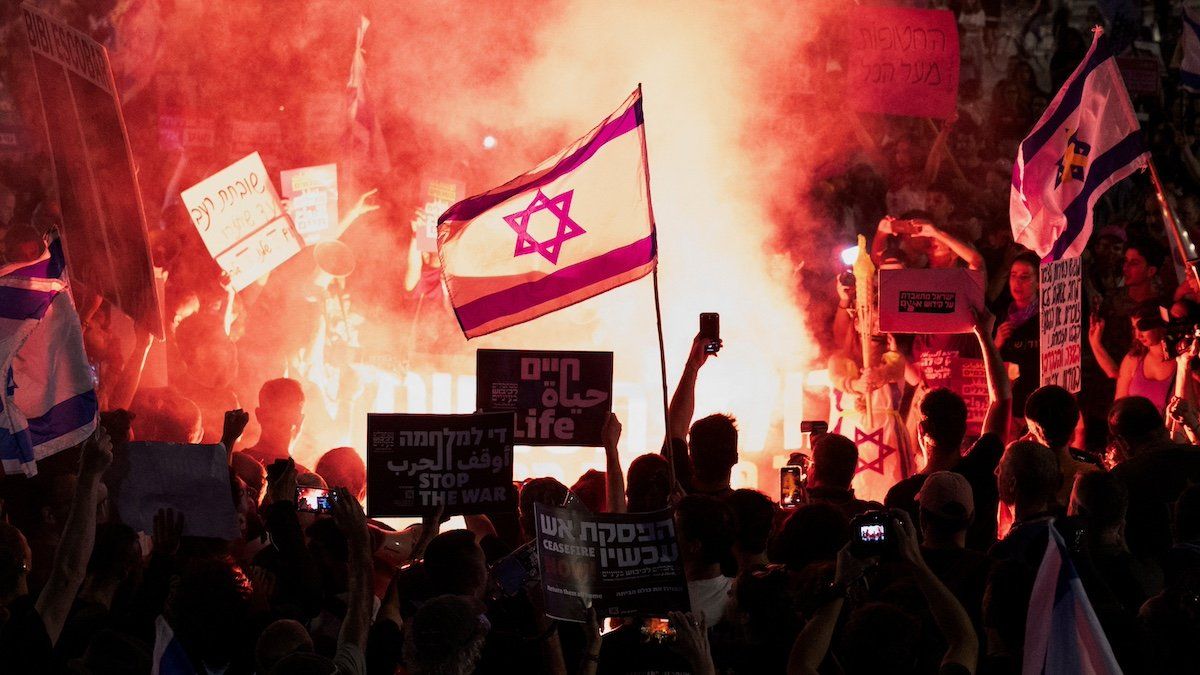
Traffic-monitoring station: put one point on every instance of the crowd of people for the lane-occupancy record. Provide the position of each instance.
(1114, 471)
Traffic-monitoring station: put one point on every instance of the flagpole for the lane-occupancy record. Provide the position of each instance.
(668, 447)
(1183, 244)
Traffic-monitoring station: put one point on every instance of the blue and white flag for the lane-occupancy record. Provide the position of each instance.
(1189, 68)
(1087, 140)
(49, 398)
(1062, 633)
(169, 655)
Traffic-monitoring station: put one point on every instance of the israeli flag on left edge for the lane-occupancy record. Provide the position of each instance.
(49, 402)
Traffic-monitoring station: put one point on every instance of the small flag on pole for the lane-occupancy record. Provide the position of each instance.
(49, 399)
(1062, 633)
(1085, 142)
(574, 227)
(365, 135)
(1189, 68)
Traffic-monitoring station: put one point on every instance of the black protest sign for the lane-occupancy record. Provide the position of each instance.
(621, 564)
(103, 221)
(560, 398)
(416, 463)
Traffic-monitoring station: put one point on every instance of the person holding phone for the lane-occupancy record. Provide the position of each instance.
(703, 452)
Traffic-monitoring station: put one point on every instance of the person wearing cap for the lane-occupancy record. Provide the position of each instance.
(946, 508)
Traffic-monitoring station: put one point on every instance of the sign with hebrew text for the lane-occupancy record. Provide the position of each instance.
(416, 463)
(902, 61)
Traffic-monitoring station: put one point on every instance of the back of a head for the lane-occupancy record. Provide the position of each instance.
(753, 516)
(445, 637)
(1135, 420)
(164, 415)
(590, 488)
(1055, 411)
(280, 403)
(546, 491)
(709, 522)
(879, 637)
(342, 467)
(208, 607)
(249, 470)
(1101, 499)
(944, 420)
(279, 640)
(835, 459)
(455, 564)
(712, 444)
(648, 483)
(814, 532)
(115, 553)
(1028, 474)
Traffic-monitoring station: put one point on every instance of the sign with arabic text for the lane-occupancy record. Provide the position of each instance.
(416, 463)
(561, 398)
(619, 563)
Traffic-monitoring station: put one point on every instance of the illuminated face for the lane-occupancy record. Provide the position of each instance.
(1023, 283)
(1136, 270)
(1148, 338)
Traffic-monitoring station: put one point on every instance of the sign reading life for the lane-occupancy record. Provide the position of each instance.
(560, 398)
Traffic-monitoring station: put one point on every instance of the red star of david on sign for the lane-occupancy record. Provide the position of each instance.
(560, 208)
(885, 450)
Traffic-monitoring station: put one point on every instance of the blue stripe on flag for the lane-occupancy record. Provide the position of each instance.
(23, 304)
(65, 417)
(1118, 156)
(49, 268)
(16, 446)
(1068, 103)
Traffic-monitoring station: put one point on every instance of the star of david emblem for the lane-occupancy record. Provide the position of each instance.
(560, 208)
(1073, 164)
(885, 450)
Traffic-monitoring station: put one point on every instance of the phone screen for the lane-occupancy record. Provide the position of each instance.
(874, 533)
(792, 480)
(658, 629)
(710, 329)
(314, 500)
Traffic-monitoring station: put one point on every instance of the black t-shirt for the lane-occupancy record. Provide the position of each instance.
(1155, 477)
(978, 466)
(24, 643)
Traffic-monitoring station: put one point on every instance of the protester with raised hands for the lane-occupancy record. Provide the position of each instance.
(705, 451)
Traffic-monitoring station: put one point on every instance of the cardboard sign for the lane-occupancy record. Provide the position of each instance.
(440, 195)
(103, 220)
(902, 61)
(561, 398)
(621, 564)
(1060, 320)
(929, 301)
(185, 132)
(192, 479)
(241, 220)
(311, 198)
(966, 377)
(416, 463)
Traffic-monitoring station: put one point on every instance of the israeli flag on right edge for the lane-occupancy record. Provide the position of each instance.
(1062, 633)
(1189, 69)
(1085, 142)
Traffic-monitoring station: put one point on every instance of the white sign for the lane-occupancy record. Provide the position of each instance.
(1061, 320)
(311, 197)
(241, 220)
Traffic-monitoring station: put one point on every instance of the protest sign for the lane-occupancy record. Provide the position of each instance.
(1060, 322)
(311, 197)
(416, 463)
(241, 220)
(177, 131)
(103, 222)
(192, 479)
(1142, 74)
(902, 61)
(561, 398)
(967, 377)
(929, 301)
(620, 564)
(439, 195)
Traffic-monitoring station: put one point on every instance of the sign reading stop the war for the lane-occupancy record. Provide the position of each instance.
(561, 398)
(1061, 322)
(416, 463)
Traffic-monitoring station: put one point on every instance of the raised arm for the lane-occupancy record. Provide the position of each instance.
(1103, 358)
(962, 249)
(78, 537)
(235, 423)
(614, 477)
(351, 520)
(813, 642)
(951, 619)
(683, 403)
(999, 386)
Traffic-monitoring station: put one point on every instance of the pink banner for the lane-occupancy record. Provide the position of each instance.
(902, 61)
